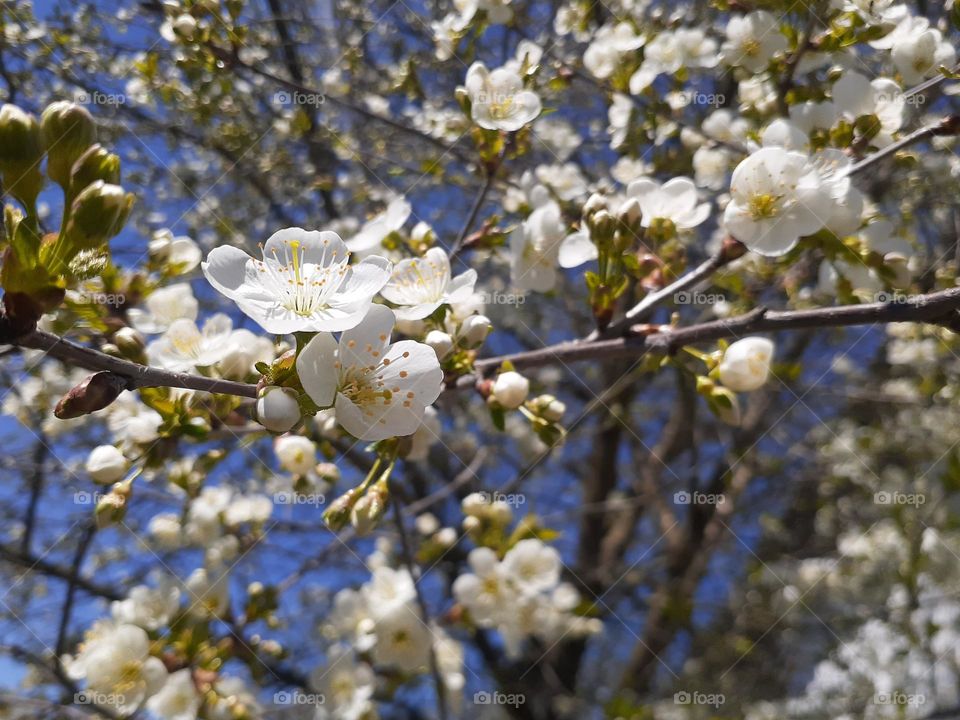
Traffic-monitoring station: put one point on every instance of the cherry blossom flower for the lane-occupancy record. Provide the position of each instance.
(163, 306)
(185, 347)
(917, 49)
(421, 285)
(178, 699)
(752, 40)
(303, 284)
(147, 607)
(672, 50)
(610, 44)
(498, 100)
(854, 95)
(379, 389)
(370, 236)
(532, 565)
(535, 248)
(115, 660)
(777, 197)
(674, 200)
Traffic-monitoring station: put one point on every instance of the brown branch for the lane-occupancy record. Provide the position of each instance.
(937, 307)
(138, 376)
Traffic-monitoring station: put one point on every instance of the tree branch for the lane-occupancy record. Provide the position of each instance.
(938, 307)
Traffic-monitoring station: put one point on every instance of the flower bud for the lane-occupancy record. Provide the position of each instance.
(602, 226)
(328, 472)
(94, 393)
(112, 507)
(95, 164)
(130, 343)
(21, 150)
(68, 130)
(106, 464)
(446, 537)
(746, 364)
(549, 408)
(185, 26)
(99, 212)
(474, 330)
(474, 504)
(441, 342)
(594, 203)
(367, 511)
(511, 389)
(278, 409)
(337, 514)
(727, 405)
(630, 212)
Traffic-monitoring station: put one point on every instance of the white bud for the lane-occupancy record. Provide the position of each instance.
(511, 389)
(500, 512)
(746, 364)
(106, 464)
(165, 530)
(441, 343)
(474, 504)
(550, 408)
(328, 472)
(277, 408)
(595, 202)
(630, 212)
(446, 537)
(427, 524)
(475, 329)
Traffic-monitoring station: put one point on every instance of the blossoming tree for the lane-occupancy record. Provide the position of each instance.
(497, 359)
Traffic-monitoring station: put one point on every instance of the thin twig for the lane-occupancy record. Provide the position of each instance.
(422, 603)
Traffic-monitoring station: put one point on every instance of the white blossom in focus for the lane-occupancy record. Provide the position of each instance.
(304, 282)
(379, 389)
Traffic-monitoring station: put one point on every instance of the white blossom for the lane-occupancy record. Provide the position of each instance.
(498, 100)
(379, 389)
(675, 200)
(304, 282)
(752, 40)
(420, 285)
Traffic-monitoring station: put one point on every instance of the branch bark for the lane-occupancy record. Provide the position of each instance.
(941, 307)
